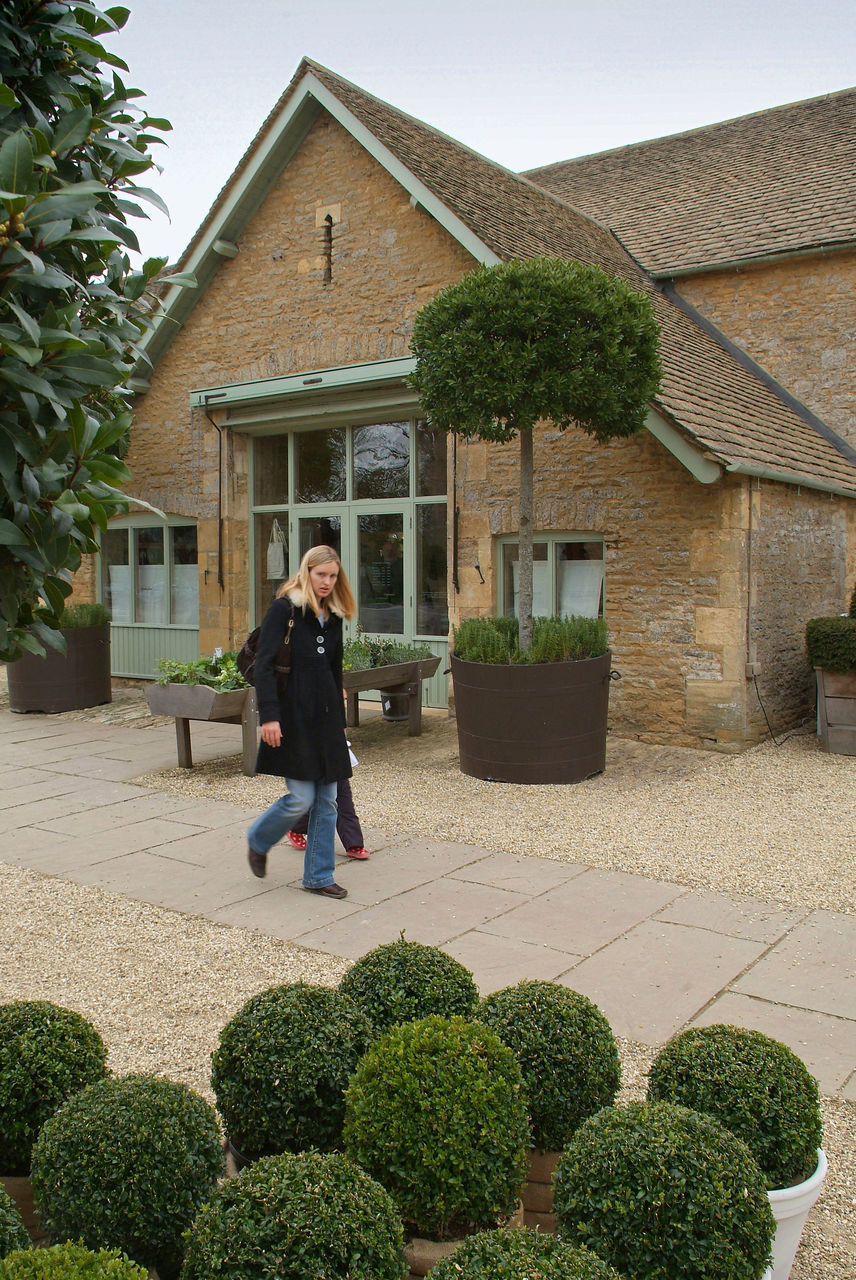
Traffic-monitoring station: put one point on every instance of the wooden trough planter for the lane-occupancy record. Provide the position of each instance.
(188, 702)
(404, 678)
(836, 711)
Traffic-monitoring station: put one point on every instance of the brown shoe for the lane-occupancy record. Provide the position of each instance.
(257, 861)
(328, 890)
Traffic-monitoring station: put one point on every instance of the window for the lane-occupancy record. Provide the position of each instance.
(149, 573)
(567, 576)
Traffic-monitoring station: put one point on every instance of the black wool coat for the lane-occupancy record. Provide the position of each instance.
(310, 709)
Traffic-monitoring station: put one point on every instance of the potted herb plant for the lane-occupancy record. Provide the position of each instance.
(207, 688)
(436, 1112)
(281, 1067)
(658, 1190)
(127, 1164)
(70, 678)
(298, 1217)
(47, 1053)
(70, 1261)
(504, 348)
(521, 1255)
(571, 1068)
(831, 648)
(764, 1093)
(401, 981)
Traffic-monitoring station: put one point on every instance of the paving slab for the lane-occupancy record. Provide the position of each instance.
(587, 912)
(154, 804)
(813, 967)
(739, 916)
(502, 962)
(519, 873)
(659, 976)
(826, 1045)
(286, 911)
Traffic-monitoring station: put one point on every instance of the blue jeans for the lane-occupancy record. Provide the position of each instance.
(318, 799)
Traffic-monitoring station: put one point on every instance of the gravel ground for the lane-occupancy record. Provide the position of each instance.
(776, 822)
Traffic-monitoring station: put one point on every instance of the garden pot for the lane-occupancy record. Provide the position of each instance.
(235, 1159)
(195, 701)
(542, 723)
(538, 1190)
(20, 1189)
(791, 1207)
(68, 681)
(422, 1254)
(836, 711)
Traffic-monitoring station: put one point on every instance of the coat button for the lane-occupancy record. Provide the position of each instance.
(320, 648)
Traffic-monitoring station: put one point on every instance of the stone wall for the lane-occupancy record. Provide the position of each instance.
(797, 318)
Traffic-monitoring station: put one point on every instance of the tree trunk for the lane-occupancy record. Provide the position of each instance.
(524, 601)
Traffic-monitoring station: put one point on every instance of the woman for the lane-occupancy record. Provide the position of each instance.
(303, 726)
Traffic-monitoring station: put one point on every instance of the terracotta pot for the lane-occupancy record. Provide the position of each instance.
(422, 1254)
(20, 1189)
(543, 723)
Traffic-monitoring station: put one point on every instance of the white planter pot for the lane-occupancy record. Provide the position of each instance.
(791, 1207)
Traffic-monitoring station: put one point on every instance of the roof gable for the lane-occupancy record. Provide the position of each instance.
(718, 404)
(774, 182)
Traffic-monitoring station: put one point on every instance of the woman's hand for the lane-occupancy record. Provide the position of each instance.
(272, 733)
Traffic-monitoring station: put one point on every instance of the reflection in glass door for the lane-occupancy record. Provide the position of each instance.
(320, 530)
(380, 586)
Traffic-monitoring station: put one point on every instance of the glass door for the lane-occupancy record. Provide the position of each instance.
(381, 565)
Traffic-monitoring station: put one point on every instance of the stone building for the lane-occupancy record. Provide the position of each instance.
(276, 413)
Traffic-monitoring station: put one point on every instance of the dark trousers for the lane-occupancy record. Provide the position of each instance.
(348, 826)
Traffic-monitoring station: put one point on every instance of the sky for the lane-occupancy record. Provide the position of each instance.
(524, 82)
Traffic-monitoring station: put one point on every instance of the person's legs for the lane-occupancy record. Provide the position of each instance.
(319, 861)
(275, 821)
(347, 823)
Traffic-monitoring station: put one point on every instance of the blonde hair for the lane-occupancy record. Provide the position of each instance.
(341, 598)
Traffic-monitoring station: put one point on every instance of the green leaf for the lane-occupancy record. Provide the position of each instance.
(71, 130)
(11, 535)
(16, 164)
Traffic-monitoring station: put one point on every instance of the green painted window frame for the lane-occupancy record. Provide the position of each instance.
(130, 525)
(551, 542)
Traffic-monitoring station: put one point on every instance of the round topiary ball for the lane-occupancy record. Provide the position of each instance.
(298, 1217)
(47, 1053)
(756, 1086)
(436, 1112)
(401, 981)
(566, 1051)
(13, 1233)
(280, 1070)
(126, 1164)
(660, 1191)
(70, 1262)
(520, 1255)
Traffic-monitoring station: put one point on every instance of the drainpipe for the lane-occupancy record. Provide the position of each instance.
(219, 430)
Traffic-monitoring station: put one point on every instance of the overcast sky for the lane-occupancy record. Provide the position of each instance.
(525, 82)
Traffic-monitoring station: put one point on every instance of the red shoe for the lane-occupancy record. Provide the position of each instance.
(297, 840)
(358, 853)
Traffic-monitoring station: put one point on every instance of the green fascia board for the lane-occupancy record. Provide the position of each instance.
(341, 378)
(705, 470)
(283, 138)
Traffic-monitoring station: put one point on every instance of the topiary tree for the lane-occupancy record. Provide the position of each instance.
(127, 1164)
(282, 1065)
(70, 1261)
(298, 1217)
(520, 1255)
(13, 1233)
(47, 1053)
(73, 146)
(436, 1112)
(660, 1191)
(566, 1051)
(756, 1086)
(400, 981)
(524, 341)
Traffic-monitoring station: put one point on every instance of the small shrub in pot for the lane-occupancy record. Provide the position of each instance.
(298, 1217)
(401, 981)
(756, 1086)
(661, 1191)
(436, 1112)
(126, 1164)
(47, 1053)
(13, 1233)
(566, 1051)
(520, 1255)
(70, 1261)
(280, 1070)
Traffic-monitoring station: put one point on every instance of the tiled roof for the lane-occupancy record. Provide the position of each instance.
(773, 182)
(720, 404)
